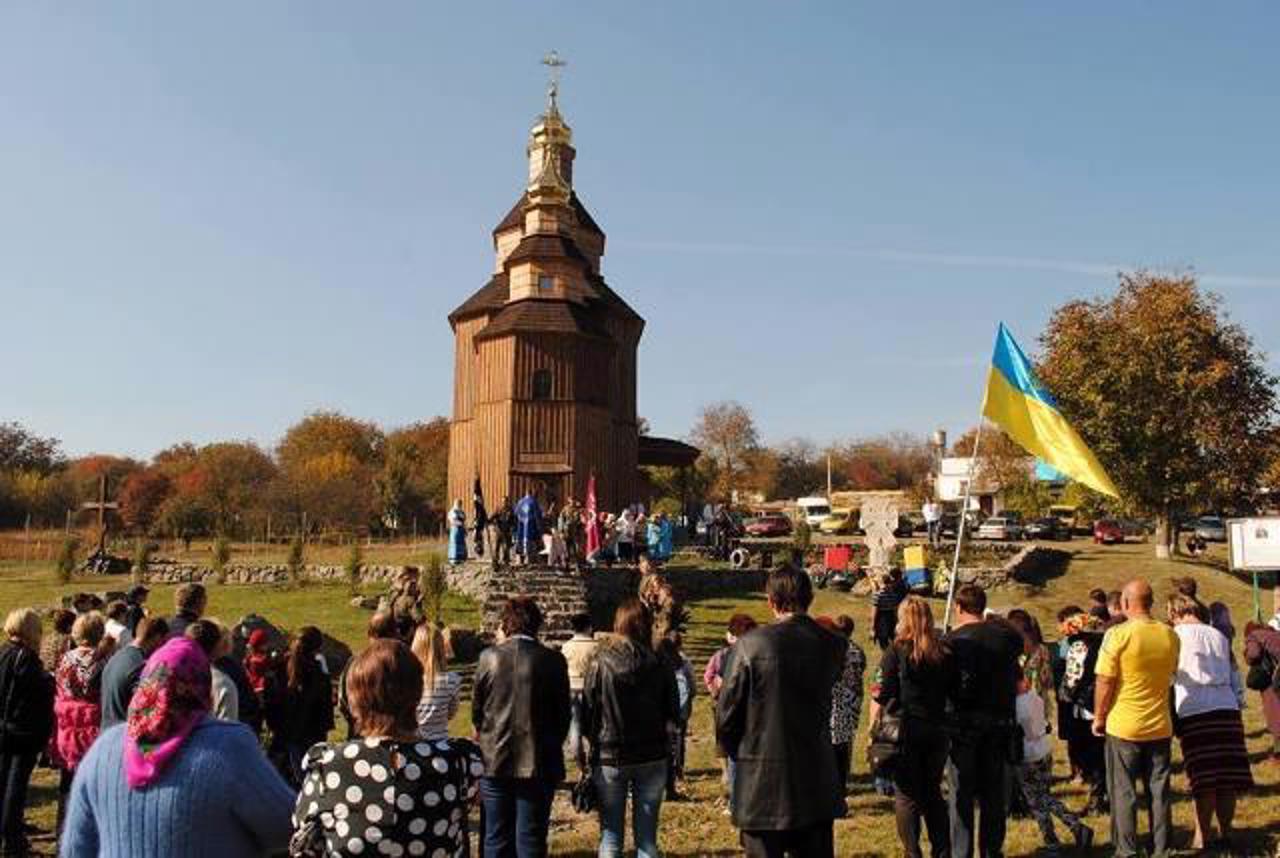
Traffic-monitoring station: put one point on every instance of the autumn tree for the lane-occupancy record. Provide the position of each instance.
(233, 476)
(894, 461)
(726, 433)
(1173, 397)
(23, 450)
(800, 469)
(415, 473)
(328, 463)
(141, 496)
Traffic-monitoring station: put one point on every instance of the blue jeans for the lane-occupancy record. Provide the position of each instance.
(646, 783)
(517, 813)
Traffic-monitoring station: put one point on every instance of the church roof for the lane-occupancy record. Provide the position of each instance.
(490, 296)
(541, 316)
(515, 217)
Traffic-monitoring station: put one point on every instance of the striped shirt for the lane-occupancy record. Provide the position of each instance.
(438, 704)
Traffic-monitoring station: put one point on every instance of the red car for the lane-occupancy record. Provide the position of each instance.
(773, 524)
(1107, 531)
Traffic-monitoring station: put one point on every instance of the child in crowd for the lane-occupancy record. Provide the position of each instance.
(1033, 780)
(670, 652)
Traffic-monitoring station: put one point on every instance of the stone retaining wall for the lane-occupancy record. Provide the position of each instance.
(182, 573)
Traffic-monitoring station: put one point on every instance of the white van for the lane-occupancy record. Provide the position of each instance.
(814, 510)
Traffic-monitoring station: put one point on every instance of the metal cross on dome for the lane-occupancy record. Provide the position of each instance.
(553, 62)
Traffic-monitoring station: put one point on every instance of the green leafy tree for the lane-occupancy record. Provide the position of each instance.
(1173, 397)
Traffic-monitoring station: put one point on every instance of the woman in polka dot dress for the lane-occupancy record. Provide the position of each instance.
(389, 793)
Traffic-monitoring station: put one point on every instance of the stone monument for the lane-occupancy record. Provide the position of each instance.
(879, 521)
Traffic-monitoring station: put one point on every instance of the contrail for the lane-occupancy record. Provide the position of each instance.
(954, 260)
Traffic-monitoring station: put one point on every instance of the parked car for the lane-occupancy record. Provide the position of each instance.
(814, 510)
(1211, 528)
(1108, 531)
(1001, 528)
(1049, 527)
(772, 524)
(906, 527)
(841, 521)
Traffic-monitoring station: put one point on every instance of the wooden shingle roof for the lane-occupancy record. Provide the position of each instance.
(542, 316)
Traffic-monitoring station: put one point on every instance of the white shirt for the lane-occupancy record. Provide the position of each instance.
(226, 699)
(931, 512)
(116, 630)
(1205, 681)
(437, 706)
(1036, 741)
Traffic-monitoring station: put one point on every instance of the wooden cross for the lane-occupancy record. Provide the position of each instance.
(101, 505)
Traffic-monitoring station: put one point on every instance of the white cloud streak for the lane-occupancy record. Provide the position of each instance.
(952, 260)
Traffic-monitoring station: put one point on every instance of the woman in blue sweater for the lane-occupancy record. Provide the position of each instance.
(174, 781)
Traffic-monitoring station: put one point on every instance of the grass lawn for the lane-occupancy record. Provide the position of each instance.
(697, 827)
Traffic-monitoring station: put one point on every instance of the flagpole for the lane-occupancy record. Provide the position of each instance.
(960, 528)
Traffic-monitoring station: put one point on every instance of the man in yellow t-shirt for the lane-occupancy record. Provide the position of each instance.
(1131, 708)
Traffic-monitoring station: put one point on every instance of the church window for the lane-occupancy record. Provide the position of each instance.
(542, 384)
(546, 282)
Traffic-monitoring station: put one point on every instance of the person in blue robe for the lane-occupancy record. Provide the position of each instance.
(528, 527)
(457, 533)
(666, 537)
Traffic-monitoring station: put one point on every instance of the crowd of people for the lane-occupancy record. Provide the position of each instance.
(169, 742)
(565, 536)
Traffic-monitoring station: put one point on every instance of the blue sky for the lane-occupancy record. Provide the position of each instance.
(217, 217)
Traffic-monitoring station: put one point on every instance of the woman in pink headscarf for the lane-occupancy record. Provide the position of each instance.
(173, 780)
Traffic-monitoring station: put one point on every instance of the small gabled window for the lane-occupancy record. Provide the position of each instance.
(542, 384)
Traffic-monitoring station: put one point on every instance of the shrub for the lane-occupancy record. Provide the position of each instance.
(432, 585)
(141, 559)
(295, 560)
(221, 557)
(355, 563)
(67, 559)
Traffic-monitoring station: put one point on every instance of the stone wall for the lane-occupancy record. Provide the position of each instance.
(237, 573)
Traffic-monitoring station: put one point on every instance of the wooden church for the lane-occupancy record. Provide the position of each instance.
(544, 390)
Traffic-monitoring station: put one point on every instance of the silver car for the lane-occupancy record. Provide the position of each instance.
(1210, 528)
(1000, 528)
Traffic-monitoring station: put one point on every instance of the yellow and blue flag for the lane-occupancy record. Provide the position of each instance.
(1017, 403)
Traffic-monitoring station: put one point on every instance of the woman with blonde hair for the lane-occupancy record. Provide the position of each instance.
(441, 687)
(912, 685)
(26, 721)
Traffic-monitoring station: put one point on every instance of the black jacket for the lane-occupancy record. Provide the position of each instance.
(629, 698)
(308, 709)
(26, 701)
(520, 709)
(774, 717)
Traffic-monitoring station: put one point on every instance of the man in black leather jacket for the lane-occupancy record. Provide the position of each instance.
(773, 716)
(520, 709)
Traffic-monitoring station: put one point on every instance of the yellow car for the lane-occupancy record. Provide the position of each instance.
(840, 521)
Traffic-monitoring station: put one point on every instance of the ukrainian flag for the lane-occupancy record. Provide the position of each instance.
(1017, 403)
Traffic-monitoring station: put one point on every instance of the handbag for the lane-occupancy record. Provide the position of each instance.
(1263, 675)
(885, 745)
(583, 794)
